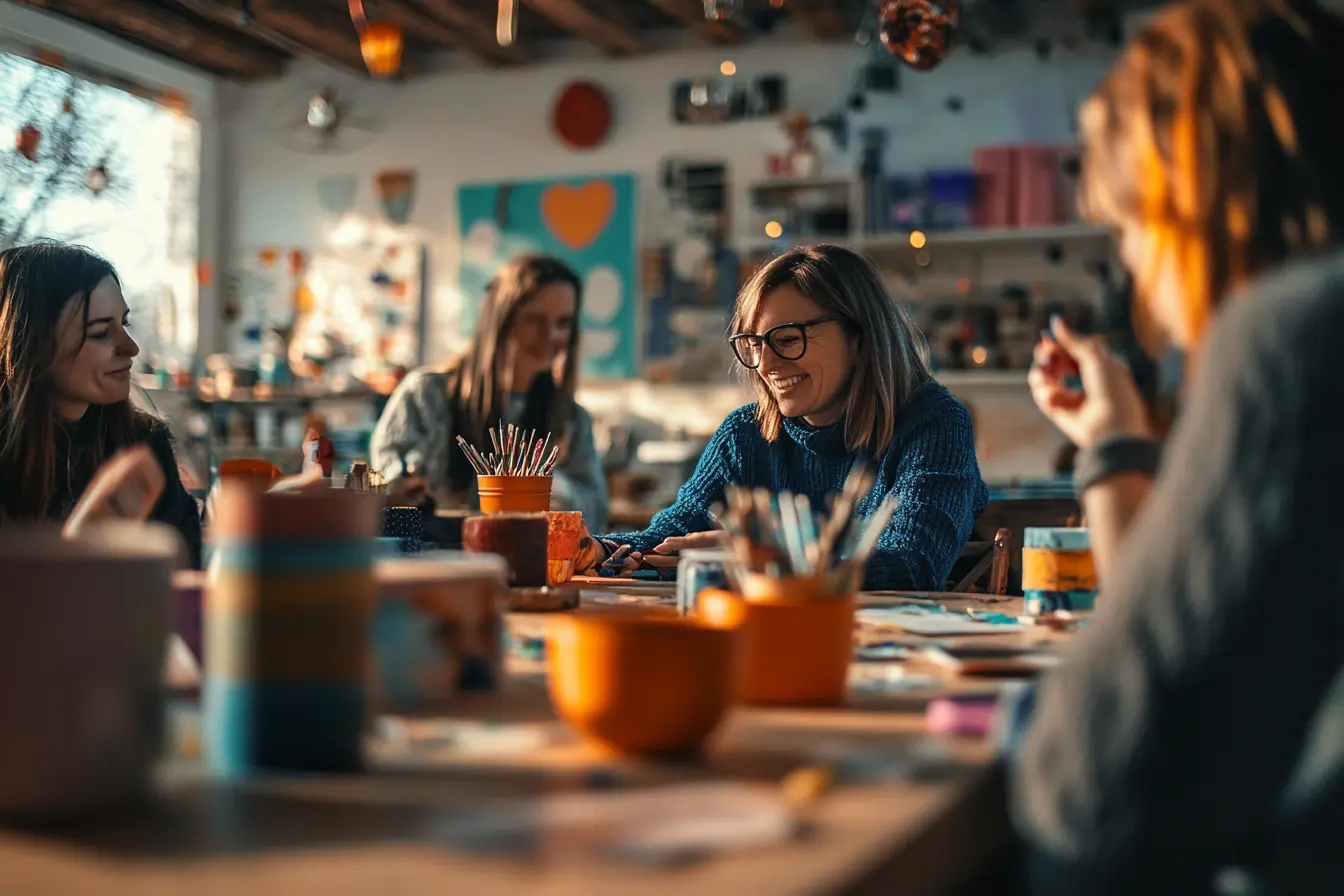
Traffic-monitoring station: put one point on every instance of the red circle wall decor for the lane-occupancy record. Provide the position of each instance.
(582, 115)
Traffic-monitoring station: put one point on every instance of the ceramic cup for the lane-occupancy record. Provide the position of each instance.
(405, 524)
(83, 627)
(514, 494)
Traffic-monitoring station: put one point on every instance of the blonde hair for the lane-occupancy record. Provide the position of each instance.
(892, 359)
(1211, 133)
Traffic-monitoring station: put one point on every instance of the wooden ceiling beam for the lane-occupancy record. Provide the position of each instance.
(477, 34)
(829, 20)
(606, 32)
(172, 34)
(229, 14)
(335, 40)
(691, 13)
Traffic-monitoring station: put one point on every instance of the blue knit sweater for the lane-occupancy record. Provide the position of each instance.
(931, 465)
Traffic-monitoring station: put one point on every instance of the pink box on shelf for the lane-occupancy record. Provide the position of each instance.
(1070, 171)
(1039, 200)
(995, 197)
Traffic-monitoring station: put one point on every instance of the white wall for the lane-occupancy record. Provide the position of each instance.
(473, 125)
(84, 46)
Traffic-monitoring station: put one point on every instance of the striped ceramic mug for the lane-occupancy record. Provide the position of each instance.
(291, 592)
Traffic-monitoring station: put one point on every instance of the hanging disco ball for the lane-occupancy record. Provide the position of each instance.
(921, 33)
(724, 10)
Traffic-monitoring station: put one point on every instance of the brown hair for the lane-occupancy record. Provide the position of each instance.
(475, 384)
(892, 357)
(1213, 133)
(37, 283)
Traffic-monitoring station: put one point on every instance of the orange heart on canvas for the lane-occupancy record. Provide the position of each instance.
(577, 215)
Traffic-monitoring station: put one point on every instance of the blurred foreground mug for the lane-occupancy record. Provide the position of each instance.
(83, 626)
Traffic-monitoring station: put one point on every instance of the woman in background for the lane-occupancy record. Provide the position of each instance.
(521, 368)
(1196, 725)
(65, 381)
(840, 374)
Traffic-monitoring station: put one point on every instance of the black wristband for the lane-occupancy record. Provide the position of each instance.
(1113, 456)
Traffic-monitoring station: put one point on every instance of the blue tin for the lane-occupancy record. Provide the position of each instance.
(698, 570)
(1038, 602)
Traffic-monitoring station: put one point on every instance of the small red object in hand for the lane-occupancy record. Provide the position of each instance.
(317, 449)
(1051, 358)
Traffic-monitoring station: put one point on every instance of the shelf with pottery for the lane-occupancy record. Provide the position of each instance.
(884, 245)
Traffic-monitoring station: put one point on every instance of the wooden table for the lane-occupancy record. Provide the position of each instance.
(375, 833)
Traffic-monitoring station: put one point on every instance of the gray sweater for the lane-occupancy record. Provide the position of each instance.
(1199, 721)
(416, 429)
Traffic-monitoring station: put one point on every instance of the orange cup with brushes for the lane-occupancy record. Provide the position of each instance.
(516, 476)
(795, 601)
(797, 640)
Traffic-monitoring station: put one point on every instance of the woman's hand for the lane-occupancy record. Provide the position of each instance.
(407, 491)
(714, 538)
(591, 552)
(1109, 403)
(126, 486)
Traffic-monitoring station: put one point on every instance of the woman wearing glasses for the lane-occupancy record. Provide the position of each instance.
(840, 373)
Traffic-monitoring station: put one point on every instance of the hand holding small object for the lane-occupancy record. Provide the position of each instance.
(1109, 403)
(715, 538)
(126, 487)
(407, 490)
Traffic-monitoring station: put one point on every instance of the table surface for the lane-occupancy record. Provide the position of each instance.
(925, 829)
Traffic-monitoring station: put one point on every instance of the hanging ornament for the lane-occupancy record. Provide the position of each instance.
(506, 24)
(921, 33)
(96, 179)
(726, 11)
(27, 141)
(381, 43)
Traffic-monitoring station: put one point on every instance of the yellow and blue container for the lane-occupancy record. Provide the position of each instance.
(1057, 570)
(290, 597)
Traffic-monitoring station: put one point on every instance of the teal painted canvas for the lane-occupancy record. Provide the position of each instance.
(587, 221)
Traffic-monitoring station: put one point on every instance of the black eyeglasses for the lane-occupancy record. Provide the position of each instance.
(789, 341)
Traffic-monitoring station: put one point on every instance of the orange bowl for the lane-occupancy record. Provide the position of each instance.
(794, 652)
(641, 684)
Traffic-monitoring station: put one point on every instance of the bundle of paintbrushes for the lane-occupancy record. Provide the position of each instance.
(518, 452)
(784, 536)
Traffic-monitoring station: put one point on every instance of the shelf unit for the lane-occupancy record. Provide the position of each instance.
(886, 244)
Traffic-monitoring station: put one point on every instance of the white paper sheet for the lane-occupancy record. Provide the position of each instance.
(922, 622)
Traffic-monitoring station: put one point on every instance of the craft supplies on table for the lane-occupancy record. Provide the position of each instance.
(701, 569)
(668, 826)
(962, 715)
(83, 625)
(406, 524)
(784, 536)
(291, 593)
(437, 631)
(639, 683)
(564, 531)
(934, 621)
(1058, 572)
(522, 539)
(543, 600)
(516, 476)
(796, 647)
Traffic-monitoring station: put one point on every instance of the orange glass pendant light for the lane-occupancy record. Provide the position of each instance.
(381, 43)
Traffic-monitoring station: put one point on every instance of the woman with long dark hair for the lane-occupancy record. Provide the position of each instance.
(65, 379)
(522, 368)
